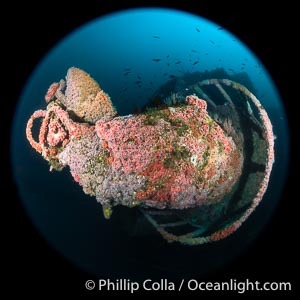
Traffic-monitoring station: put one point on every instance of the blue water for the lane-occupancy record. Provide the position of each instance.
(107, 48)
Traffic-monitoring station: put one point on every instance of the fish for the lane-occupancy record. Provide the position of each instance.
(139, 77)
(156, 59)
(243, 64)
(194, 51)
(198, 30)
(126, 73)
(138, 82)
(137, 109)
(172, 76)
(127, 69)
(212, 42)
(231, 70)
(196, 62)
(220, 28)
(168, 64)
(206, 54)
(219, 59)
(156, 37)
(168, 56)
(250, 111)
(178, 62)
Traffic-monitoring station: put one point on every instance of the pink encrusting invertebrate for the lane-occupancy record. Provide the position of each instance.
(169, 160)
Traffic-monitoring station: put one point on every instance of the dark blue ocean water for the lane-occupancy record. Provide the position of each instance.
(118, 51)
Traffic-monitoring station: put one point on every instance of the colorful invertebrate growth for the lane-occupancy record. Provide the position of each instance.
(181, 163)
